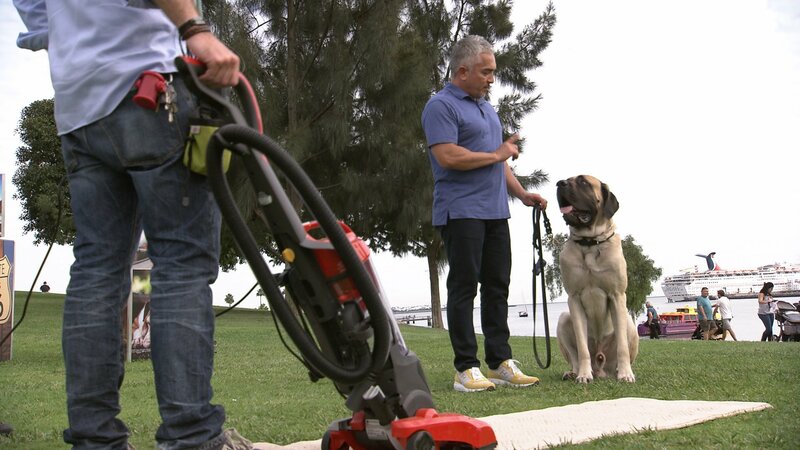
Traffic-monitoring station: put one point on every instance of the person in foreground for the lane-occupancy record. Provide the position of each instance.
(705, 314)
(126, 176)
(472, 181)
(765, 310)
(723, 305)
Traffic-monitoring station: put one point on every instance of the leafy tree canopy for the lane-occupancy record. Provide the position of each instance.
(40, 176)
(342, 86)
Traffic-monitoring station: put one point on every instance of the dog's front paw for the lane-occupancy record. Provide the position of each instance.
(626, 376)
(569, 376)
(584, 378)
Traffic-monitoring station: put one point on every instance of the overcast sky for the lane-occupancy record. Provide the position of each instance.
(688, 109)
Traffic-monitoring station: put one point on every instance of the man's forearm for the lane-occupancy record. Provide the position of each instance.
(514, 187)
(455, 157)
(178, 11)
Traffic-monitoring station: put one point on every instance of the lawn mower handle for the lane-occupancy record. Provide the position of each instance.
(193, 68)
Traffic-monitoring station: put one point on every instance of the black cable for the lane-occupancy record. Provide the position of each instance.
(237, 303)
(277, 328)
(538, 270)
(44, 260)
(312, 374)
(290, 350)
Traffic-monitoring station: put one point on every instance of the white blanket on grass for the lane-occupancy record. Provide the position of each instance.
(584, 422)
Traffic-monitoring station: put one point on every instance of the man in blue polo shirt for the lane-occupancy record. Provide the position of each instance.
(472, 182)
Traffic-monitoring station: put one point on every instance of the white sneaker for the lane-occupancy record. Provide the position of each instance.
(472, 380)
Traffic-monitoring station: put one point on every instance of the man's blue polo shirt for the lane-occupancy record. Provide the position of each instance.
(452, 116)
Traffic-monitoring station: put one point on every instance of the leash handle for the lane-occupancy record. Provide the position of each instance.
(538, 271)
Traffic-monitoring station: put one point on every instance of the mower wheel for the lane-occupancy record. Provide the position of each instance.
(421, 440)
(326, 442)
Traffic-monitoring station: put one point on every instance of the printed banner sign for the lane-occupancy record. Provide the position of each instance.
(6, 296)
(136, 315)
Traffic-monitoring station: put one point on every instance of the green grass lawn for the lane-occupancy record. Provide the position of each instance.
(268, 397)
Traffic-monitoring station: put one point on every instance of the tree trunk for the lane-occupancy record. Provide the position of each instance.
(433, 270)
(291, 67)
(292, 91)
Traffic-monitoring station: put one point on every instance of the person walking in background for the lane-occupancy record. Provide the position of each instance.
(126, 176)
(472, 182)
(706, 314)
(766, 311)
(723, 305)
(652, 321)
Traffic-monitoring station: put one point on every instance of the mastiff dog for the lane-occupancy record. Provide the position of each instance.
(597, 336)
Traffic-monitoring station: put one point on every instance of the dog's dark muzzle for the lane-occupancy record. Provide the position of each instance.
(577, 212)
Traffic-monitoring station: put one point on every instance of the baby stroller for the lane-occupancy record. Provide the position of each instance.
(788, 318)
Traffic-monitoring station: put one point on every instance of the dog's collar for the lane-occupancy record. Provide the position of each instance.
(589, 242)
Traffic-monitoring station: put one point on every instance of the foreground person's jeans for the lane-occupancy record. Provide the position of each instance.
(125, 176)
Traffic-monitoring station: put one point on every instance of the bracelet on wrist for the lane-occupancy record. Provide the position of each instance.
(184, 27)
(197, 29)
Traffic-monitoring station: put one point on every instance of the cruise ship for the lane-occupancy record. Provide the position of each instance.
(736, 283)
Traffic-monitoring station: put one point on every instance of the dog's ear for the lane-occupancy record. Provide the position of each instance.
(610, 203)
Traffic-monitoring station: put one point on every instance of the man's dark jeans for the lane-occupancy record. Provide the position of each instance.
(125, 176)
(478, 251)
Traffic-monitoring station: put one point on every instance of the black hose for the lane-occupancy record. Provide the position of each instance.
(229, 136)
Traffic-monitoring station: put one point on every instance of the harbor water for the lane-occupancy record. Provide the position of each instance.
(745, 323)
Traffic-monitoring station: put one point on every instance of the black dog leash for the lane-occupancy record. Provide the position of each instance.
(538, 270)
